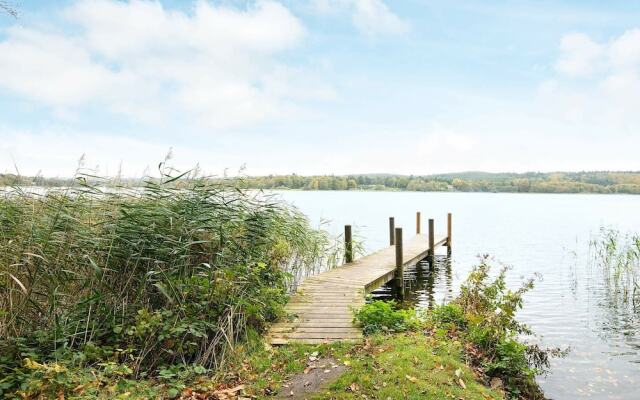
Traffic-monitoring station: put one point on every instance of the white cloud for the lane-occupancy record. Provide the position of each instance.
(56, 153)
(371, 17)
(51, 68)
(579, 55)
(608, 94)
(624, 51)
(218, 65)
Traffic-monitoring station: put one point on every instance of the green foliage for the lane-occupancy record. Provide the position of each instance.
(165, 277)
(450, 315)
(530, 182)
(484, 315)
(379, 316)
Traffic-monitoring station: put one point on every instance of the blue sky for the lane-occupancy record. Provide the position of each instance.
(320, 86)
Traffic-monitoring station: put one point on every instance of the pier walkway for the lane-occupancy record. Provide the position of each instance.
(321, 309)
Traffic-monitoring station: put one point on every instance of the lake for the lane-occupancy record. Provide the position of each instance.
(545, 234)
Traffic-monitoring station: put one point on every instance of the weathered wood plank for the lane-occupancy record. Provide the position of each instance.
(318, 335)
(321, 310)
(316, 329)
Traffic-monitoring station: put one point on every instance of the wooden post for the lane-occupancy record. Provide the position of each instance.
(431, 240)
(399, 262)
(392, 233)
(399, 248)
(449, 232)
(418, 223)
(348, 244)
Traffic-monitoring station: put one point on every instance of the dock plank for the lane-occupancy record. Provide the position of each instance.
(321, 309)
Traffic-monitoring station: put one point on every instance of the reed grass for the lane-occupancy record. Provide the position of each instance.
(173, 271)
(617, 255)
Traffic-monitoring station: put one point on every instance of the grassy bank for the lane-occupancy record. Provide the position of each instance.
(163, 291)
(470, 348)
(408, 365)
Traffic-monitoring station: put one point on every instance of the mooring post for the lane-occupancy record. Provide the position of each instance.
(431, 242)
(348, 244)
(399, 262)
(449, 233)
(418, 223)
(392, 225)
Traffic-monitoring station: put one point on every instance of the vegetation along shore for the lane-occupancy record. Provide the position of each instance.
(165, 292)
(625, 182)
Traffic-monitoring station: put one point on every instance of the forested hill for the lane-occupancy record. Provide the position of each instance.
(531, 182)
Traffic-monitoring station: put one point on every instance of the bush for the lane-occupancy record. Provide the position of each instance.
(484, 315)
(449, 315)
(384, 316)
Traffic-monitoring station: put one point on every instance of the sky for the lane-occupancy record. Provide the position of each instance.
(319, 86)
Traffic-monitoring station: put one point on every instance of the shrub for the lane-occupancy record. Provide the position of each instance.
(484, 315)
(384, 316)
(450, 315)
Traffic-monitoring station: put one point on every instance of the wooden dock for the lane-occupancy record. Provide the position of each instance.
(321, 309)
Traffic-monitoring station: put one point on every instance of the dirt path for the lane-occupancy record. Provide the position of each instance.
(319, 372)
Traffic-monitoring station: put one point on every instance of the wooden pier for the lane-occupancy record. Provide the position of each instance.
(321, 309)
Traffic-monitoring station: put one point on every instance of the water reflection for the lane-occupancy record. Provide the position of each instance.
(424, 285)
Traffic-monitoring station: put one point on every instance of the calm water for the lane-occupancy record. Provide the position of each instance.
(536, 234)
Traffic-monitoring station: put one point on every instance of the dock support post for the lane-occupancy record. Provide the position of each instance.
(431, 242)
(399, 262)
(418, 223)
(449, 226)
(348, 244)
(392, 225)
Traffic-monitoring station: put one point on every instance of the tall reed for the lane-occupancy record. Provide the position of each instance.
(176, 270)
(618, 256)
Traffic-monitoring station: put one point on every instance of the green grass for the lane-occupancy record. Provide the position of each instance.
(399, 366)
(408, 366)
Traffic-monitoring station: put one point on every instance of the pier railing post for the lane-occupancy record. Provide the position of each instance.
(418, 223)
(431, 241)
(392, 233)
(348, 244)
(399, 262)
(449, 227)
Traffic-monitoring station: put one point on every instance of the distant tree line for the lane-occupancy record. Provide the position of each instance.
(530, 182)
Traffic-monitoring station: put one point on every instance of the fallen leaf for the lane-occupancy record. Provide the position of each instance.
(461, 382)
(496, 383)
(411, 378)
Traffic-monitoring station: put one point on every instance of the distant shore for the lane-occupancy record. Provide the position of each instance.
(601, 182)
